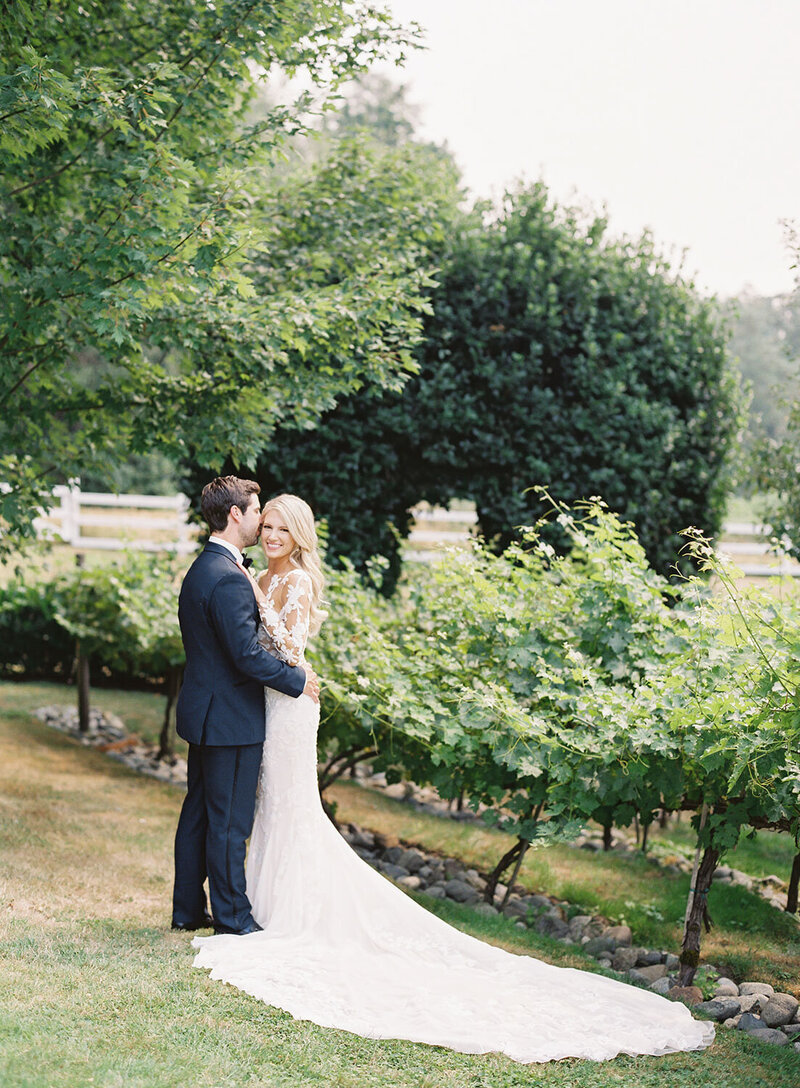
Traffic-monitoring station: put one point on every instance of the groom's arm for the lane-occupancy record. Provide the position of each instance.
(230, 610)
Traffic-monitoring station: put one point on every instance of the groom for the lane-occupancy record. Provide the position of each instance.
(221, 713)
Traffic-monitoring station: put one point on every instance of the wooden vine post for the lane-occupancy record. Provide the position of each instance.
(166, 741)
(794, 880)
(697, 906)
(82, 673)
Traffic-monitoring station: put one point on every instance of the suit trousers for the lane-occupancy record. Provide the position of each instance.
(215, 823)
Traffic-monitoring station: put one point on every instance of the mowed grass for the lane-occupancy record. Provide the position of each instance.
(95, 988)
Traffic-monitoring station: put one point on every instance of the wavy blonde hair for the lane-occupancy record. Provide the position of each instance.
(299, 519)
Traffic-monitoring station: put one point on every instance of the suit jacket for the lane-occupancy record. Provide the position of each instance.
(222, 697)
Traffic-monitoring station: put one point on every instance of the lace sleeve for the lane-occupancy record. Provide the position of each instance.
(286, 615)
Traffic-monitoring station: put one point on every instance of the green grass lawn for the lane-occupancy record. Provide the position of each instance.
(96, 990)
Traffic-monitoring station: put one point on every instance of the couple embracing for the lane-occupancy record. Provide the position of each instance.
(230, 660)
(305, 924)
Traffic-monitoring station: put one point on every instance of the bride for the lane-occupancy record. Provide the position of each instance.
(343, 947)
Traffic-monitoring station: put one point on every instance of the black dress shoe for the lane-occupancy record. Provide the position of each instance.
(251, 927)
(206, 922)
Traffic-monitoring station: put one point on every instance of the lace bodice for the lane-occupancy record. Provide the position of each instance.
(285, 615)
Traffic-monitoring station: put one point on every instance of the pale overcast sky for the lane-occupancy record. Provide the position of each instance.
(679, 115)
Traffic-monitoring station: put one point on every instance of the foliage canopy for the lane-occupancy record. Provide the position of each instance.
(145, 238)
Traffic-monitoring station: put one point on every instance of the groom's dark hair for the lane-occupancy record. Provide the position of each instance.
(221, 494)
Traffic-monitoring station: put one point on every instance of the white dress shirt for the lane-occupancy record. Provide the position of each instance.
(237, 555)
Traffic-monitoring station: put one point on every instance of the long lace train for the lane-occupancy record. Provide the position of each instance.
(343, 947)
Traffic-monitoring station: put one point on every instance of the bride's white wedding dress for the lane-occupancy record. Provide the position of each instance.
(343, 947)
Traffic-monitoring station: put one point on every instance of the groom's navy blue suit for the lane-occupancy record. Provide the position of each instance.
(221, 714)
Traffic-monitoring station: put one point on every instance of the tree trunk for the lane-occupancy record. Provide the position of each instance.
(607, 828)
(794, 879)
(697, 915)
(645, 829)
(347, 760)
(166, 742)
(663, 818)
(516, 851)
(515, 873)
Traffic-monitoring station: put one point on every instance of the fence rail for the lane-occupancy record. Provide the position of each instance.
(67, 520)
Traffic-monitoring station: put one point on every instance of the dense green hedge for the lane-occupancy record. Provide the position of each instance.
(552, 356)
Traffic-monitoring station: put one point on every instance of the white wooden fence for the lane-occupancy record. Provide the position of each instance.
(745, 542)
(128, 517)
(158, 523)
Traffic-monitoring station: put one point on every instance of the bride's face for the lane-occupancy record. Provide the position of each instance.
(276, 540)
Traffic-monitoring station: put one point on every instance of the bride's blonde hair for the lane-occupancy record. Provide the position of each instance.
(299, 519)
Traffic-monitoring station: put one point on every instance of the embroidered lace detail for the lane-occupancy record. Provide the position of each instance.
(345, 948)
(285, 615)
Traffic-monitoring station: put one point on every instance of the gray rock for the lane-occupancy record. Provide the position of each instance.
(672, 961)
(719, 1008)
(454, 869)
(393, 871)
(753, 1002)
(412, 861)
(413, 882)
(722, 873)
(359, 837)
(792, 1030)
(756, 988)
(578, 924)
(520, 925)
(726, 987)
(621, 935)
(604, 959)
(486, 909)
(662, 985)
(797, 1047)
(499, 893)
(552, 927)
(460, 891)
(750, 1022)
(425, 872)
(769, 1035)
(624, 958)
(595, 945)
(515, 908)
(648, 974)
(779, 1010)
(393, 854)
(647, 957)
(475, 879)
(538, 902)
(732, 1021)
(436, 891)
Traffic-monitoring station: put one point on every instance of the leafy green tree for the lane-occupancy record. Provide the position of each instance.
(553, 355)
(142, 229)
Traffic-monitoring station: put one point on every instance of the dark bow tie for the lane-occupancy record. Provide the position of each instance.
(247, 562)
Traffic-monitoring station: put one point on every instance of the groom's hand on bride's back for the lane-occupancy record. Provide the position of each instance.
(312, 684)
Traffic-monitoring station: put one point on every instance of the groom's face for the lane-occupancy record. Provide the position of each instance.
(250, 525)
